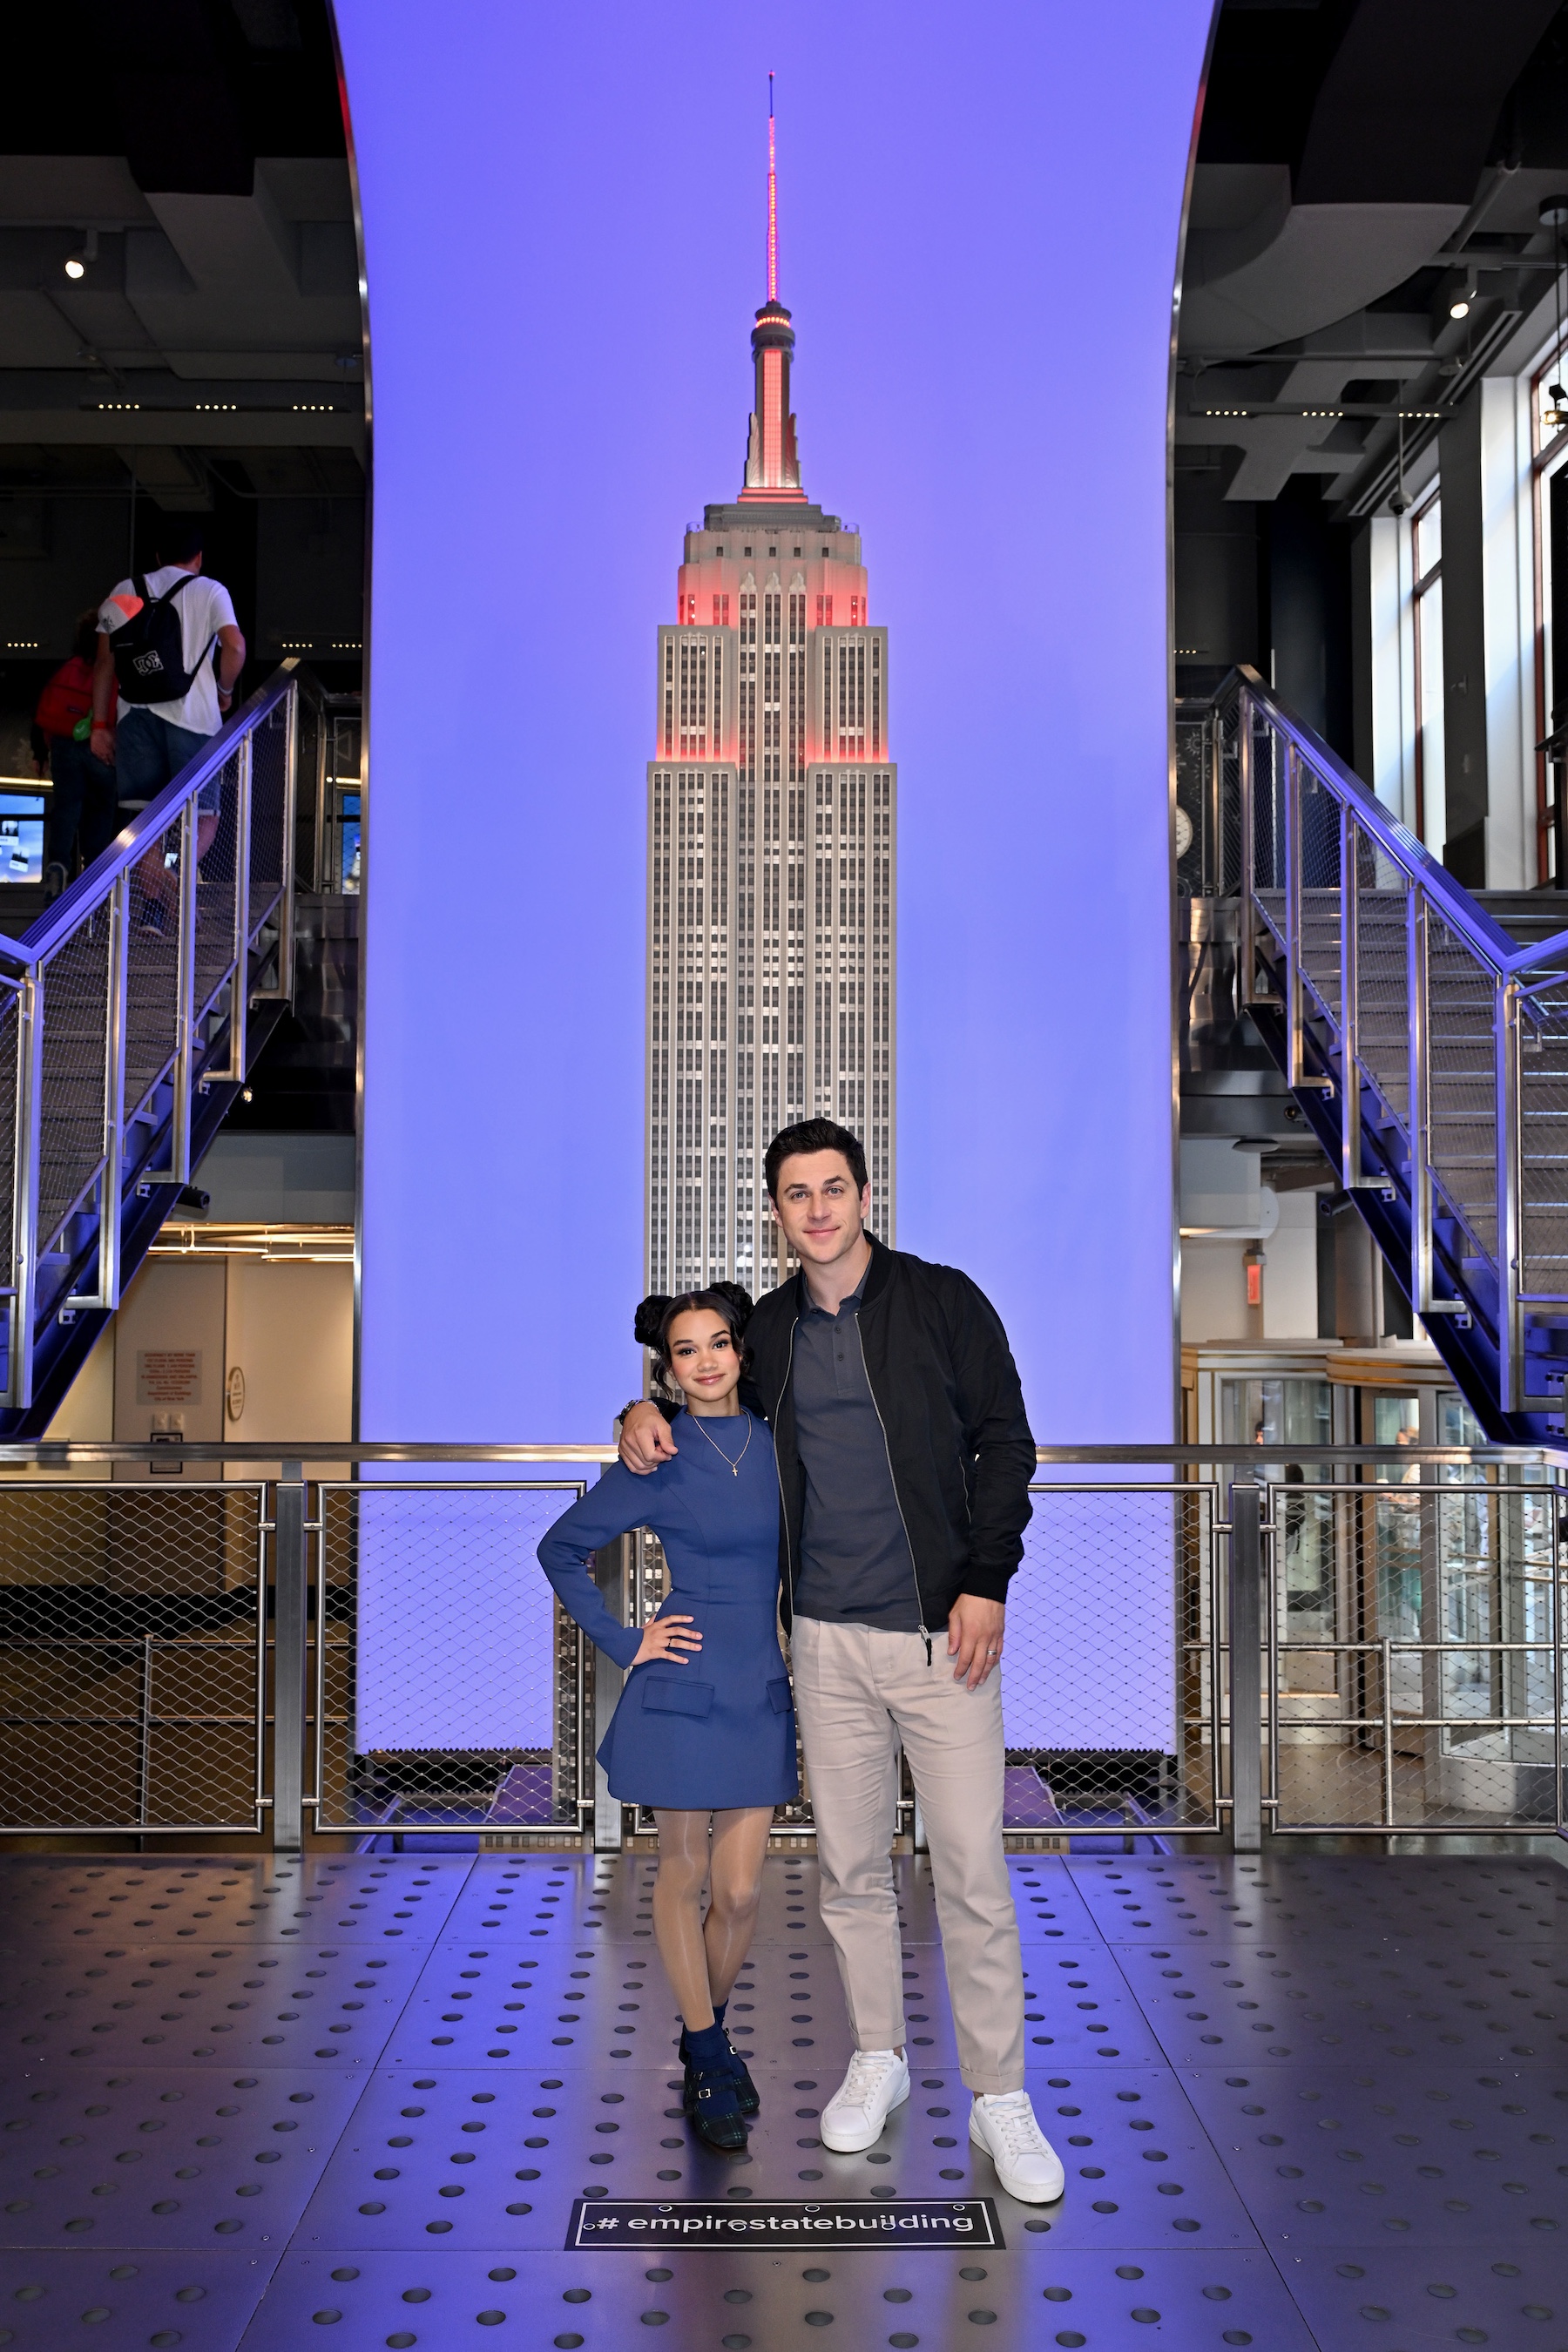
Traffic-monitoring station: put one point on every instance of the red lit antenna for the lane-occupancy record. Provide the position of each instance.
(772, 206)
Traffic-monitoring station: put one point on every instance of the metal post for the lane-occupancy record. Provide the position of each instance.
(144, 1736)
(1246, 1677)
(1386, 1648)
(1420, 1114)
(116, 912)
(1509, 1199)
(25, 1195)
(1292, 916)
(1351, 1176)
(288, 1646)
(286, 868)
(1556, 1507)
(178, 1171)
(1213, 860)
(320, 879)
(239, 986)
(1249, 976)
(610, 1574)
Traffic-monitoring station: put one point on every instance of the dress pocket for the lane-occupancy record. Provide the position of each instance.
(779, 1695)
(673, 1695)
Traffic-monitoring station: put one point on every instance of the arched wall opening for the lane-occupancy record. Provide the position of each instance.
(563, 239)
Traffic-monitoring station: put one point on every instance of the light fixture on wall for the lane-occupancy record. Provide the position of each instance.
(76, 263)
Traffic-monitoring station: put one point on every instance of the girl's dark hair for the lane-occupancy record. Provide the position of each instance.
(651, 1324)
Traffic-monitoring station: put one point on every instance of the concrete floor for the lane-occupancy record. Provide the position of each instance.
(1304, 2100)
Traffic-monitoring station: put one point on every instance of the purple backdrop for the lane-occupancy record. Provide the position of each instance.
(564, 244)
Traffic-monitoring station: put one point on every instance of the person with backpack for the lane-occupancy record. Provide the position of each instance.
(169, 658)
(84, 795)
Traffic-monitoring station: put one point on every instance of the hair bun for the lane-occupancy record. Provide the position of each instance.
(648, 1320)
(740, 1298)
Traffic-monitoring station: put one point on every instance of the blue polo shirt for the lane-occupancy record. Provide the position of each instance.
(856, 1562)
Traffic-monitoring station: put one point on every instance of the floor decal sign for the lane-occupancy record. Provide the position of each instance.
(845, 2222)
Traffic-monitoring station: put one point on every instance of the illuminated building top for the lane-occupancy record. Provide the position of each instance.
(771, 813)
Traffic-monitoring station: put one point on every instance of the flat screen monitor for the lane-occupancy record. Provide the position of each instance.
(21, 834)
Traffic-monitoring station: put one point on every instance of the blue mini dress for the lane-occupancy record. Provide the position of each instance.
(719, 1732)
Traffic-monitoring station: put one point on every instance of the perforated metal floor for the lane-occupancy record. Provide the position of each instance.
(1301, 2102)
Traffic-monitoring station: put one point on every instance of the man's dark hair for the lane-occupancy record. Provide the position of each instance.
(179, 536)
(809, 1135)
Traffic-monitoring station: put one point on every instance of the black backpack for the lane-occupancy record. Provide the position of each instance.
(150, 648)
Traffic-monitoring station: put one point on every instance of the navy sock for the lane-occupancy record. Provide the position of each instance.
(719, 2009)
(706, 2045)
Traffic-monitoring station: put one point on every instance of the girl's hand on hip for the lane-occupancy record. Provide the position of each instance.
(663, 1637)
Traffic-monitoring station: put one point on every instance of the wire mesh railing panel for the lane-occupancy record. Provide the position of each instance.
(1108, 1672)
(312, 726)
(153, 968)
(217, 845)
(1462, 1113)
(75, 1062)
(1195, 741)
(1267, 750)
(10, 1030)
(1543, 1155)
(268, 797)
(132, 1622)
(1415, 1663)
(1383, 993)
(450, 1691)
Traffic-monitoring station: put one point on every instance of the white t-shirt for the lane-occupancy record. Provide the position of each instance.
(205, 607)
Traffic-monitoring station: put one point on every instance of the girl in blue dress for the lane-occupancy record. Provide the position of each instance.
(704, 1732)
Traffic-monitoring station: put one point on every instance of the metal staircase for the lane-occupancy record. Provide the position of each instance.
(1426, 1048)
(130, 1013)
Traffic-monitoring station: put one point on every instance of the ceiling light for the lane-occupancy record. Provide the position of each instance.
(1460, 308)
(75, 266)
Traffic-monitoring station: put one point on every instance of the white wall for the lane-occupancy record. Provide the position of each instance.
(290, 1332)
(288, 1327)
(1509, 617)
(1291, 1272)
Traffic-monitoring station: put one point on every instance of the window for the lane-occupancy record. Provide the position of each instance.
(1426, 600)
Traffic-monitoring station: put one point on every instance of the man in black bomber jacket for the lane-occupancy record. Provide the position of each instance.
(904, 1458)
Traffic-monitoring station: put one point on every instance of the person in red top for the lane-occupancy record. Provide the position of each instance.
(85, 798)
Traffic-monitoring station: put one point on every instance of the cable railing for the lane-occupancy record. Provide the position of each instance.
(1429, 1051)
(130, 1006)
(356, 1640)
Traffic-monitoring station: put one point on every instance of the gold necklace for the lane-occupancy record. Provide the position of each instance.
(732, 1467)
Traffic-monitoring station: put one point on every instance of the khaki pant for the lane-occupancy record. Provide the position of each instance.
(859, 1690)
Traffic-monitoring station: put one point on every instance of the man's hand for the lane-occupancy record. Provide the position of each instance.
(646, 1440)
(100, 742)
(975, 1629)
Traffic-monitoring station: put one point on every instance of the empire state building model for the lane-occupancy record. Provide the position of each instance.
(771, 838)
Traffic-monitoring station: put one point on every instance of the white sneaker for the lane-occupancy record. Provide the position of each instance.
(876, 2082)
(1027, 2166)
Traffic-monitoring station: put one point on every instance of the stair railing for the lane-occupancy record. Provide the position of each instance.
(1391, 982)
(129, 997)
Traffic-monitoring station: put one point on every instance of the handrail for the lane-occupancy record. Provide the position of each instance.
(127, 1002)
(1436, 1022)
(62, 1453)
(1459, 912)
(93, 887)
